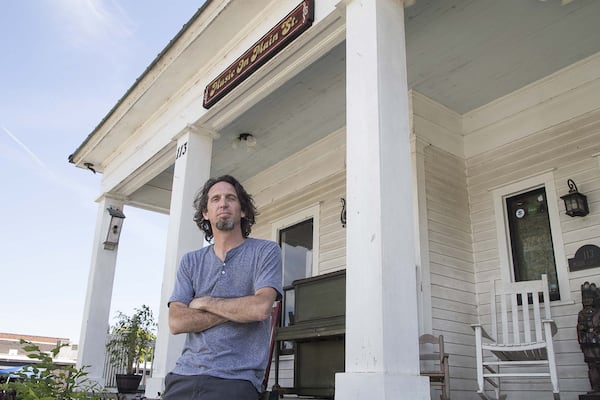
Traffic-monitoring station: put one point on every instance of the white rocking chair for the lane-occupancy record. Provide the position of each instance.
(514, 342)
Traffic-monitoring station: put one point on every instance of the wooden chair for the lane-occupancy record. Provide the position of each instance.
(434, 362)
(275, 314)
(521, 338)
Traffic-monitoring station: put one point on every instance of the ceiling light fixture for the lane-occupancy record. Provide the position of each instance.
(246, 138)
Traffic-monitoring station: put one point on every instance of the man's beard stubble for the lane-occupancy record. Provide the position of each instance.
(225, 225)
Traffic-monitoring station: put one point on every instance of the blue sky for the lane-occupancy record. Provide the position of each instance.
(63, 65)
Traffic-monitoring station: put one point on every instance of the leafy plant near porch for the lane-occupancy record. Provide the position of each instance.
(46, 380)
(130, 338)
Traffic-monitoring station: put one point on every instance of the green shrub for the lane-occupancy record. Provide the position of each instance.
(45, 380)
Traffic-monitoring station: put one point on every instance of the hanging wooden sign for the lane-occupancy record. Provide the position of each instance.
(282, 34)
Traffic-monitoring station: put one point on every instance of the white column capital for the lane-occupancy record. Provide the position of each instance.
(343, 3)
(193, 128)
(112, 198)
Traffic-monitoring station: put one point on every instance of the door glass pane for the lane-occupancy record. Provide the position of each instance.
(531, 239)
(296, 244)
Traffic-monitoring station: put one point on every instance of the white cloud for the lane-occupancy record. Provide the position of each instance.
(22, 156)
(22, 145)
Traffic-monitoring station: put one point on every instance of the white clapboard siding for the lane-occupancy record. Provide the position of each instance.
(286, 373)
(332, 240)
(461, 226)
(451, 264)
(314, 175)
(567, 151)
(315, 163)
(326, 192)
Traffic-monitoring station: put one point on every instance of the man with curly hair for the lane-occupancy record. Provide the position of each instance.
(222, 300)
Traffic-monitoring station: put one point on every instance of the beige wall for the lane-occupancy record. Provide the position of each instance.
(315, 176)
(550, 128)
(461, 164)
(453, 304)
(563, 152)
(326, 194)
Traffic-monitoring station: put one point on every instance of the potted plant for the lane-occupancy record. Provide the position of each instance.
(128, 345)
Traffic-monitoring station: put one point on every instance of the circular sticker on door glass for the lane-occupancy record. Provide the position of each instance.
(520, 213)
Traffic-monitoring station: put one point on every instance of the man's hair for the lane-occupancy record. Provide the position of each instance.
(246, 203)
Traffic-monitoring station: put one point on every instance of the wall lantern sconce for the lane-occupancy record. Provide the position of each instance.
(246, 138)
(114, 228)
(576, 204)
(343, 213)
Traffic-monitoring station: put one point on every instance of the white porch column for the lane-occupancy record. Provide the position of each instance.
(192, 169)
(382, 354)
(94, 328)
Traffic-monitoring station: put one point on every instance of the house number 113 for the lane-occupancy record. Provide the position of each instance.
(181, 150)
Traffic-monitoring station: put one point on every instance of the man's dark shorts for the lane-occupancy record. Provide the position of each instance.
(204, 387)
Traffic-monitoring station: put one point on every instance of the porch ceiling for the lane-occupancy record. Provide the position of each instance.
(465, 53)
(460, 53)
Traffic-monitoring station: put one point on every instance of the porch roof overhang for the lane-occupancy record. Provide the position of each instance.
(461, 54)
